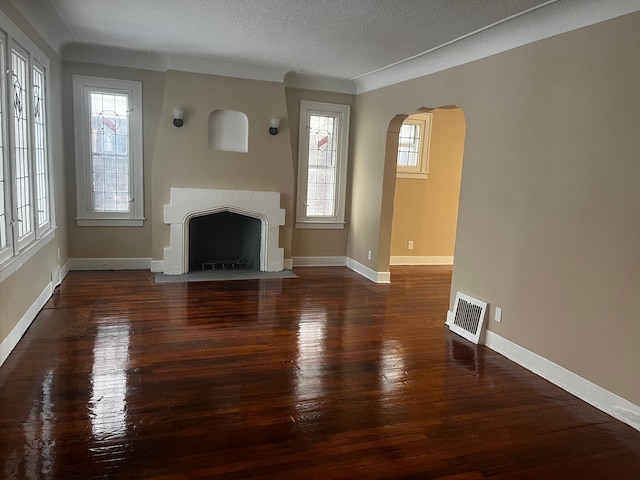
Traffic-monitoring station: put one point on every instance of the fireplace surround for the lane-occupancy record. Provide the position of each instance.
(188, 203)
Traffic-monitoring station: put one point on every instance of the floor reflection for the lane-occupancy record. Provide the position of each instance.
(464, 354)
(392, 366)
(39, 449)
(309, 381)
(108, 404)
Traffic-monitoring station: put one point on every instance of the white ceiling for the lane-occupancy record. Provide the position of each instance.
(338, 38)
(346, 39)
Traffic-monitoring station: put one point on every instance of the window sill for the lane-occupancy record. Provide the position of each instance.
(416, 176)
(110, 222)
(320, 225)
(13, 264)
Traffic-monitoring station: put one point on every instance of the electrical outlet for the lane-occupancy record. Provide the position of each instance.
(498, 315)
(410, 245)
(369, 255)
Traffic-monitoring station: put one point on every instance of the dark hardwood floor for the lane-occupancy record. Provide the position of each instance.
(323, 376)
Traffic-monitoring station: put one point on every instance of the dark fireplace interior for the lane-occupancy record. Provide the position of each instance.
(224, 240)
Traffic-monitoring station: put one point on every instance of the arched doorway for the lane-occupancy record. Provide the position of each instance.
(426, 187)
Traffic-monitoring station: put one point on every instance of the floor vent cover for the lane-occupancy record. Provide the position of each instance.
(468, 317)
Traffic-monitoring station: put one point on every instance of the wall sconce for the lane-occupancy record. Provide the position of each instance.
(178, 114)
(275, 123)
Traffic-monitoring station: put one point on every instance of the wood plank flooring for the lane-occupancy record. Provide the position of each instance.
(323, 376)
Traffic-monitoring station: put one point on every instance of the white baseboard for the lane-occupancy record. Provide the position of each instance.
(156, 266)
(591, 393)
(287, 264)
(366, 272)
(56, 276)
(11, 340)
(319, 261)
(109, 263)
(421, 260)
(64, 270)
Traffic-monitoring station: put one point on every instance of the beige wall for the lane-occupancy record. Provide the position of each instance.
(182, 157)
(19, 291)
(549, 206)
(426, 210)
(114, 242)
(311, 242)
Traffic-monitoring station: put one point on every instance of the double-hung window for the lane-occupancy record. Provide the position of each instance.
(322, 165)
(26, 211)
(413, 146)
(108, 136)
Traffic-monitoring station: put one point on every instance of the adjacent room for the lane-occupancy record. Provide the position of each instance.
(234, 236)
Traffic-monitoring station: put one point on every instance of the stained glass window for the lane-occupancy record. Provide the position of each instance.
(321, 173)
(40, 146)
(322, 165)
(26, 214)
(21, 147)
(110, 152)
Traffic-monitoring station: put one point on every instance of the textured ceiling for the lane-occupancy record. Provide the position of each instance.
(339, 38)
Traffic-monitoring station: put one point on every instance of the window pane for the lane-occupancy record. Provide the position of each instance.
(321, 178)
(40, 150)
(110, 162)
(20, 80)
(409, 145)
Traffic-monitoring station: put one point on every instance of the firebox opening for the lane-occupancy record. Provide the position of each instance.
(224, 240)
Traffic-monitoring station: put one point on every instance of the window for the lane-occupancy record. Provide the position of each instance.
(108, 134)
(413, 146)
(322, 165)
(26, 215)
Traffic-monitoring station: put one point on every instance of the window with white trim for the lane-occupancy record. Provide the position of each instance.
(108, 136)
(322, 165)
(26, 211)
(413, 146)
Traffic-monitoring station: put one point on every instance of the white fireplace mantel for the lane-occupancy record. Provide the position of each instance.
(186, 203)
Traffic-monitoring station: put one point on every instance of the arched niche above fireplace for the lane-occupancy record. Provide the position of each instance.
(228, 131)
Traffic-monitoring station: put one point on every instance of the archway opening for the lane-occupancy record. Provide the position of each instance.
(427, 148)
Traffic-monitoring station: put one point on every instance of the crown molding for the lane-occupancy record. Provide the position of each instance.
(550, 20)
(225, 68)
(46, 20)
(317, 82)
(553, 18)
(115, 57)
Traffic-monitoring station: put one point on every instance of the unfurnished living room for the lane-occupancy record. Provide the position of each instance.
(279, 239)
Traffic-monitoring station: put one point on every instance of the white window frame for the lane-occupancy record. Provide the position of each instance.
(421, 170)
(342, 114)
(85, 215)
(19, 249)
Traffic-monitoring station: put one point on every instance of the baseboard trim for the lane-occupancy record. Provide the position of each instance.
(325, 261)
(368, 273)
(109, 263)
(420, 260)
(11, 340)
(287, 264)
(64, 271)
(582, 388)
(156, 266)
